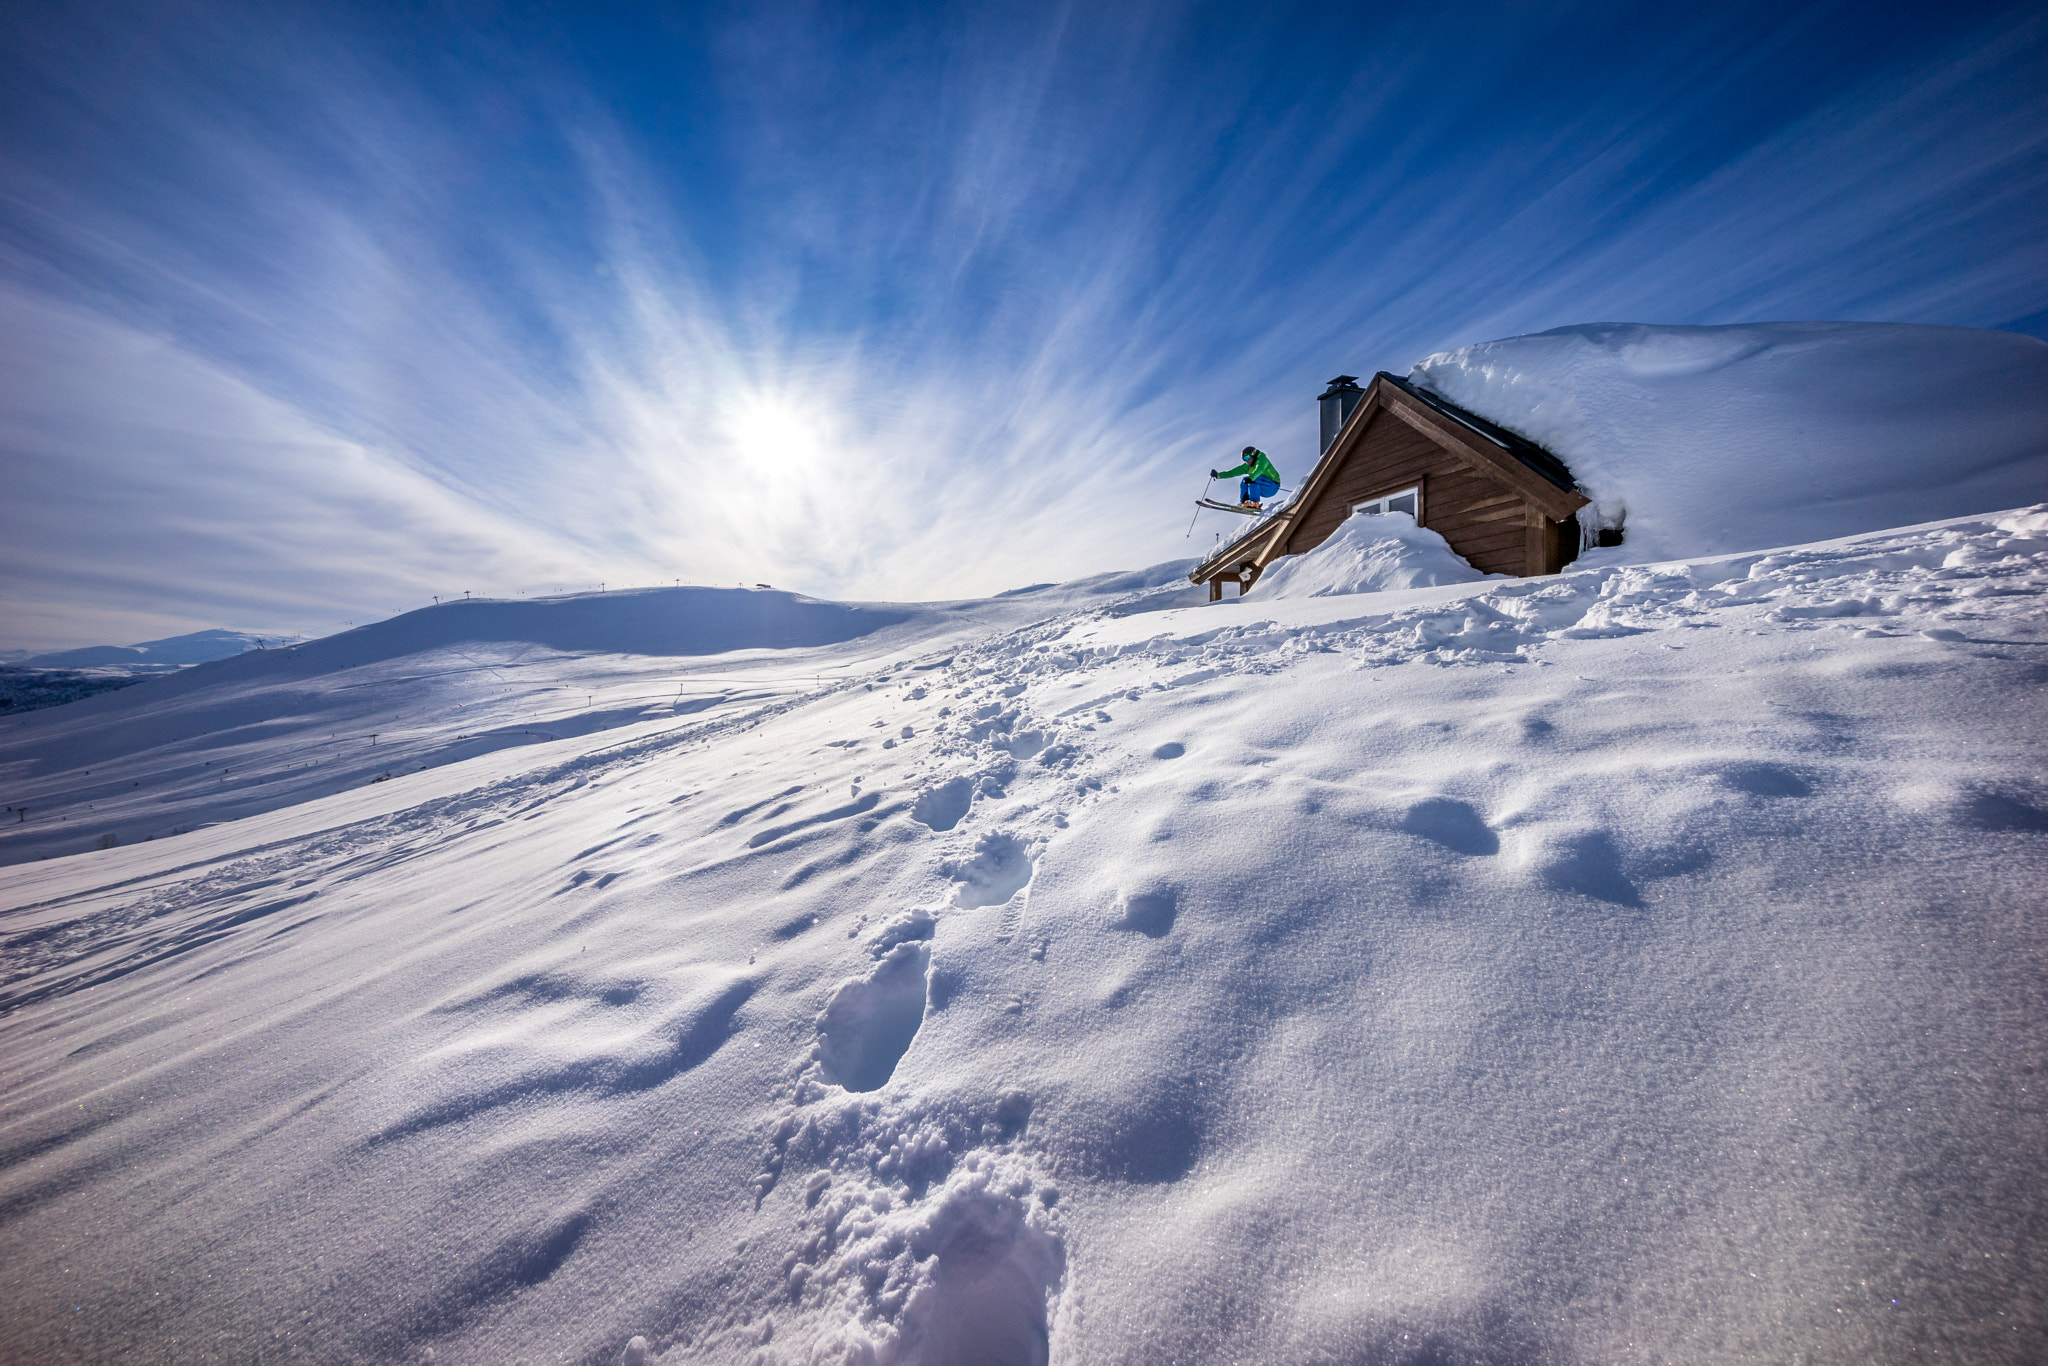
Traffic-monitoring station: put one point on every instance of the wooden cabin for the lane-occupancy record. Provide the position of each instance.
(1503, 502)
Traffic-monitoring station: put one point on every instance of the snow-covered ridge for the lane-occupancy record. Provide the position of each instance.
(1622, 964)
(1701, 440)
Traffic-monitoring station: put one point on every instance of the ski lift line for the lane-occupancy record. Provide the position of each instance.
(336, 625)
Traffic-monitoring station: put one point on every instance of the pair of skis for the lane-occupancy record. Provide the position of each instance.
(1207, 502)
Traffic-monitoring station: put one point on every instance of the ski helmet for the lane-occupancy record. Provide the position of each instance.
(1251, 450)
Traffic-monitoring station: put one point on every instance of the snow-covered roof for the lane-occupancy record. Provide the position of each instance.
(1514, 443)
(1704, 440)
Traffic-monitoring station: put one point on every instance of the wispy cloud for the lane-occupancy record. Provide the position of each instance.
(148, 489)
(305, 320)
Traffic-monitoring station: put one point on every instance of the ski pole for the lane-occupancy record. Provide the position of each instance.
(1198, 506)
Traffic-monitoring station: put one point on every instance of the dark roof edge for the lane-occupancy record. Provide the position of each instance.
(1521, 447)
(1223, 551)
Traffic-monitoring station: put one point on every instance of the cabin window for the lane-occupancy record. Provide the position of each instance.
(1407, 500)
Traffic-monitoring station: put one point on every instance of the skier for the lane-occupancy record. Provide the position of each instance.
(1260, 480)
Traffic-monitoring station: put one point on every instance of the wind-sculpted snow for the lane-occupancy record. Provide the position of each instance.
(1635, 963)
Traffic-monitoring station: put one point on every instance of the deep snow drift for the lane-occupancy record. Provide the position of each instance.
(1702, 440)
(1639, 964)
(1367, 554)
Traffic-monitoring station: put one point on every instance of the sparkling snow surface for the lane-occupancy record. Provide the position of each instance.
(1701, 440)
(1639, 964)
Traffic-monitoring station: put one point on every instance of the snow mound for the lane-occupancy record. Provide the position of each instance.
(1368, 554)
(1707, 440)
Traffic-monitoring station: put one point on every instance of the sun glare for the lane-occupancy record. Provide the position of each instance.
(772, 436)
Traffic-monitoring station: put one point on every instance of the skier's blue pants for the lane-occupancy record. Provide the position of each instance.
(1255, 490)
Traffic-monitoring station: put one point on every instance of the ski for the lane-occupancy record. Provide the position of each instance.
(1229, 507)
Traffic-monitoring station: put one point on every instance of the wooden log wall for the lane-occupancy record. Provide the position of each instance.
(1490, 525)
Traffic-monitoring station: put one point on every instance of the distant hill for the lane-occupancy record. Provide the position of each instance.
(199, 647)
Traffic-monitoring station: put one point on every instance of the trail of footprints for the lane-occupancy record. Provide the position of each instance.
(933, 1234)
(927, 1233)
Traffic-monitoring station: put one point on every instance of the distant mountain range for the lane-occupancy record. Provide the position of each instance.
(199, 647)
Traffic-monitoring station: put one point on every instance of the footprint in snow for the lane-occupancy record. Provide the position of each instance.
(1001, 868)
(1172, 749)
(1150, 911)
(1765, 780)
(1586, 862)
(907, 928)
(987, 1297)
(869, 1023)
(1024, 743)
(1455, 825)
(2000, 811)
(944, 806)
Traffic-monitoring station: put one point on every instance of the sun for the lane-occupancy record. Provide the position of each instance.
(773, 435)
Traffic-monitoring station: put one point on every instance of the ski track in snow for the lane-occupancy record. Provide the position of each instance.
(1633, 963)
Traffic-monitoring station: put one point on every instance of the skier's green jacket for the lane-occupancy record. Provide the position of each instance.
(1256, 466)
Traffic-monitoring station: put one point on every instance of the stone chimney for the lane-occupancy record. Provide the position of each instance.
(1338, 401)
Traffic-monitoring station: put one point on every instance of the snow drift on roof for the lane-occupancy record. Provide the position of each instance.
(1705, 440)
(1367, 554)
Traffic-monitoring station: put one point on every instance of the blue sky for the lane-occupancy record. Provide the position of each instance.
(309, 314)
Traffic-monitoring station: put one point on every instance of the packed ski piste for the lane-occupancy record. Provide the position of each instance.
(1396, 964)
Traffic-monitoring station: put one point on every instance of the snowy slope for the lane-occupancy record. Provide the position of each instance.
(1702, 440)
(269, 729)
(1643, 963)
